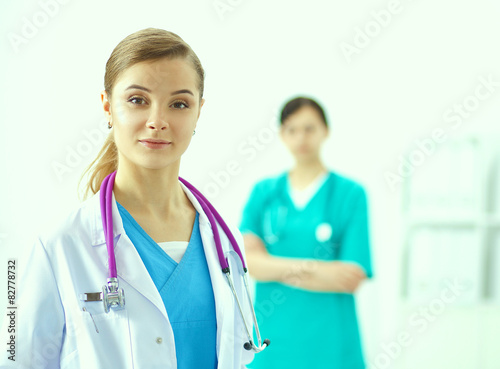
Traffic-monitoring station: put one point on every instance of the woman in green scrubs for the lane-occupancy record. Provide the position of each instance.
(307, 244)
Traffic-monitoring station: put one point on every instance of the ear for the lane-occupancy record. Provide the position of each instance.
(106, 104)
(282, 131)
(199, 110)
(327, 133)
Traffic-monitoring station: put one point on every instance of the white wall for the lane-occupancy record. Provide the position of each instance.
(426, 57)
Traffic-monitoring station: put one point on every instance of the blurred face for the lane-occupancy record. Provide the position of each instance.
(303, 132)
(153, 109)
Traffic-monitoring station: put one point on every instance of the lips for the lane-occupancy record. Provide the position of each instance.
(155, 143)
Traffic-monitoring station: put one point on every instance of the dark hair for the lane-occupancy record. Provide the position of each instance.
(295, 104)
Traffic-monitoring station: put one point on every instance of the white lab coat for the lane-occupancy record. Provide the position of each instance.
(54, 332)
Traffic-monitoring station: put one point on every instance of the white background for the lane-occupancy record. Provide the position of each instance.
(395, 90)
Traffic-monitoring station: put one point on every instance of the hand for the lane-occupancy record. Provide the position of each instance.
(345, 276)
(325, 276)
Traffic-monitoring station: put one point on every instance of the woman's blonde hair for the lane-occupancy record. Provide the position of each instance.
(145, 45)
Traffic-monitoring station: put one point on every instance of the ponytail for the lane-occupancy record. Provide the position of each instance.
(104, 164)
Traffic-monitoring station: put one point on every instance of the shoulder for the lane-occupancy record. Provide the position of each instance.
(73, 227)
(270, 184)
(347, 191)
(346, 185)
(264, 190)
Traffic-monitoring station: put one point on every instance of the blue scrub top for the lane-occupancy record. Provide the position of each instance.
(309, 329)
(186, 291)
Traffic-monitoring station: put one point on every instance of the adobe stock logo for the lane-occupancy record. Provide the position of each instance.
(418, 323)
(453, 117)
(32, 25)
(364, 35)
(249, 149)
(221, 7)
(79, 153)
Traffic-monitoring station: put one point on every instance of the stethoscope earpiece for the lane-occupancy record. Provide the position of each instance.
(250, 345)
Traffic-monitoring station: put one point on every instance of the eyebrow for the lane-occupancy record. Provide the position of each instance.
(148, 90)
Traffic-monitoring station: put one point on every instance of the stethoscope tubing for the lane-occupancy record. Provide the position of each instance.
(214, 217)
(212, 214)
(106, 196)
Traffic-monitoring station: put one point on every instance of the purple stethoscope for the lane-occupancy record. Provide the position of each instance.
(114, 297)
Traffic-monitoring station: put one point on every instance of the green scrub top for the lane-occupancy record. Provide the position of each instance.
(309, 329)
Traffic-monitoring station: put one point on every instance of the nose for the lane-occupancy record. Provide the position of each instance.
(301, 136)
(158, 119)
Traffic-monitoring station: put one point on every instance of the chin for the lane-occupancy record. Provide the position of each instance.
(305, 157)
(303, 154)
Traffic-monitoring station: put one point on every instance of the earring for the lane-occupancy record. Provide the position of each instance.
(109, 125)
(194, 132)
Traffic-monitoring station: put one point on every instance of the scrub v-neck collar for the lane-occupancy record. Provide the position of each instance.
(310, 191)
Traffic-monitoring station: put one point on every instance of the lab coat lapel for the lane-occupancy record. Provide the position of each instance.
(129, 265)
(224, 302)
(132, 270)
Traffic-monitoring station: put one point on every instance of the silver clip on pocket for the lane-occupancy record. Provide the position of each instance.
(91, 296)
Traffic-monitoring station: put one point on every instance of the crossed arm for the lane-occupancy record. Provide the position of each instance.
(309, 274)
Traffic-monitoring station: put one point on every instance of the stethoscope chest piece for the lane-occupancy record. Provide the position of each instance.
(112, 296)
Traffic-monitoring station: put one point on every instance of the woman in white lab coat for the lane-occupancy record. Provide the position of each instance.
(179, 310)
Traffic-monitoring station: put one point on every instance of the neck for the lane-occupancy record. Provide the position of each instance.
(305, 172)
(155, 191)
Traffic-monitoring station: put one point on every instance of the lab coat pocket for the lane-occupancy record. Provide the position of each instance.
(102, 340)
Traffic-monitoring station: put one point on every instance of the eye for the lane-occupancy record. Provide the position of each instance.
(137, 100)
(181, 105)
